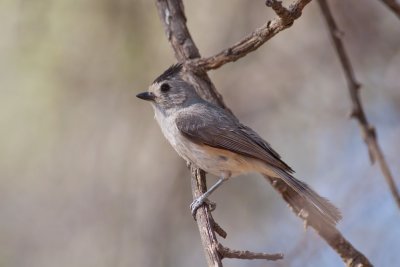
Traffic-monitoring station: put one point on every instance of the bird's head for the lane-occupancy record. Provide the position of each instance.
(170, 90)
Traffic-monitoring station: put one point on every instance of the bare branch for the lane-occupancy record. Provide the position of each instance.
(393, 5)
(247, 255)
(368, 131)
(204, 219)
(257, 38)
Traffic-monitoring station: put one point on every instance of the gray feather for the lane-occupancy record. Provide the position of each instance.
(207, 124)
(226, 132)
(320, 206)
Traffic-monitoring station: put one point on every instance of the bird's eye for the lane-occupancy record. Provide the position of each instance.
(165, 87)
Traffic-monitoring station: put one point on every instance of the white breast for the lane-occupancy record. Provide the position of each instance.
(213, 160)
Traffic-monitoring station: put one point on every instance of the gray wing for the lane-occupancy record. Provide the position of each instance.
(215, 127)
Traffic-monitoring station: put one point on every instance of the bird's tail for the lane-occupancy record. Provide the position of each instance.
(303, 200)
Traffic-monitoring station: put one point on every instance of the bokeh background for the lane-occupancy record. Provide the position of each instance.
(87, 179)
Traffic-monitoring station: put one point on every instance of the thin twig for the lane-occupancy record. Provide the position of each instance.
(247, 255)
(393, 5)
(257, 38)
(368, 130)
(218, 229)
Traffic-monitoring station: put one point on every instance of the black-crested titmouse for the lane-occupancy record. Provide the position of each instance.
(214, 140)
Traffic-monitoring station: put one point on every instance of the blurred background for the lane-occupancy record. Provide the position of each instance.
(87, 179)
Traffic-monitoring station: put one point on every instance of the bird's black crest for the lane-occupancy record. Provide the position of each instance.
(171, 71)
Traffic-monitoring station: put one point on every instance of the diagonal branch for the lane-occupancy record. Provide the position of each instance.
(393, 5)
(368, 131)
(257, 38)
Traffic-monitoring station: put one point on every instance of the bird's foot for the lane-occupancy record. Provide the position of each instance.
(200, 201)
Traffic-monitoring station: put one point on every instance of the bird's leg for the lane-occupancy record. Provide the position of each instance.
(204, 197)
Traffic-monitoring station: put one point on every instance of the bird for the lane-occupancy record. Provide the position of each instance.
(215, 141)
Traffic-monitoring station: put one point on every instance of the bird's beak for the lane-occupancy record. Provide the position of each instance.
(148, 96)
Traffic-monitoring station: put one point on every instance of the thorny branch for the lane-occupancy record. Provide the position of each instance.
(368, 131)
(173, 17)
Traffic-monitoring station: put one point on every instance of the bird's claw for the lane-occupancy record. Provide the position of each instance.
(198, 202)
